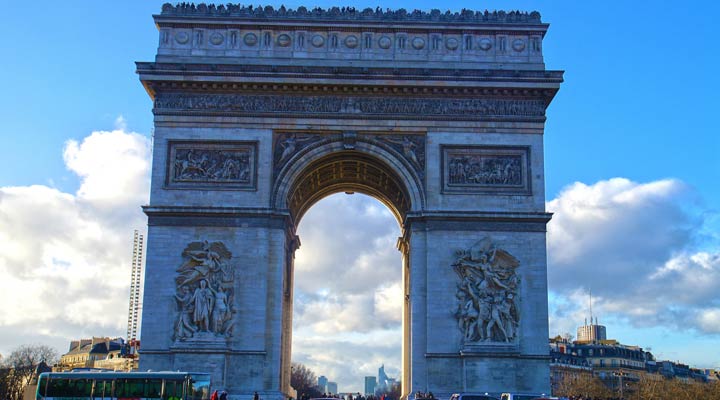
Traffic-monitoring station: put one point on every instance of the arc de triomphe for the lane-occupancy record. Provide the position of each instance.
(261, 112)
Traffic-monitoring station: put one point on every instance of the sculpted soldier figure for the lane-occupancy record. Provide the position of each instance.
(204, 300)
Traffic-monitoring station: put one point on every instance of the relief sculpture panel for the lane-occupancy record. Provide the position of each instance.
(412, 148)
(486, 169)
(211, 164)
(288, 144)
(487, 309)
(369, 107)
(204, 293)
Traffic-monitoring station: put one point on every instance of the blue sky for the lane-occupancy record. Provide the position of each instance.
(632, 133)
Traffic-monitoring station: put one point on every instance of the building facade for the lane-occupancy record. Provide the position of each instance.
(615, 364)
(97, 352)
(591, 333)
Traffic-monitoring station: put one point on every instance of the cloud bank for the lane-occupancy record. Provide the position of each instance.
(634, 246)
(65, 257)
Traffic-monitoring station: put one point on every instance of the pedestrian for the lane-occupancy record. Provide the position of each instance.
(256, 396)
(214, 395)
(223, 395)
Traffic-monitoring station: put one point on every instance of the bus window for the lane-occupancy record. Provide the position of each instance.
(57, 388)
(42, 386)
(152, 388)
(102, 389)
(199, 387)
(128, 388)
(79, 388)
(173, 390)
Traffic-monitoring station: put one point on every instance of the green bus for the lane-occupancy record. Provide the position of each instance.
(84, 385)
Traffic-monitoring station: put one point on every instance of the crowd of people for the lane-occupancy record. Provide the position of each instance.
(358, 396)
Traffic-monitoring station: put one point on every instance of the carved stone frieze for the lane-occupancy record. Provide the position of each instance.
(504, 170)
(204, 293)
(488, 309)
(405, 107)
(193, 164)
(409, 147)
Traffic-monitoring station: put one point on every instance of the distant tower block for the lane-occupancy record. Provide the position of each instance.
(135, 286)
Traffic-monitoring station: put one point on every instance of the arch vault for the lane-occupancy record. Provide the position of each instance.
(260, 113)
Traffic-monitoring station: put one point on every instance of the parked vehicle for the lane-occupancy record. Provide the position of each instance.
(474, 396)
(525, 396)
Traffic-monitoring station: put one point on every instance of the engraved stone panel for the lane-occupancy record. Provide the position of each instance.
(369, 106)
(217, 38)
(318, 41)
(204, 294)
(219, 165)
(250, 39)
(485, 44)
(284, 40)
(488, 309)
(351, 41)
(182, 37)
(495, 169)
(286, 145)
(411, 147)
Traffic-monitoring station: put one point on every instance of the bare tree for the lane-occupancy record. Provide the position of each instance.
(19, 368)
(304, 380)
(584, 386)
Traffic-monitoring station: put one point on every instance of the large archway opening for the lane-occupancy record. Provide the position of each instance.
(349, 306)
(348, 294)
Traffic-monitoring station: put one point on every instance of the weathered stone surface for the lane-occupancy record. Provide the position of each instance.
(260, 112)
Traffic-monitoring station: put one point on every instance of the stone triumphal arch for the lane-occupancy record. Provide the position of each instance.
(261, 112)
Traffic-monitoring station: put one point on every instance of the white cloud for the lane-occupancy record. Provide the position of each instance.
(112, 165)
(70, 252)
(709, 320)
(632, 245)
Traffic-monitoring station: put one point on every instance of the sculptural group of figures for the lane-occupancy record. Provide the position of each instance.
(205, 290)
(488, 309)
(211, 165)
(486, 171)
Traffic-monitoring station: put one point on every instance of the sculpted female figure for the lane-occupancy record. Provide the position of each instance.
(203, 299)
